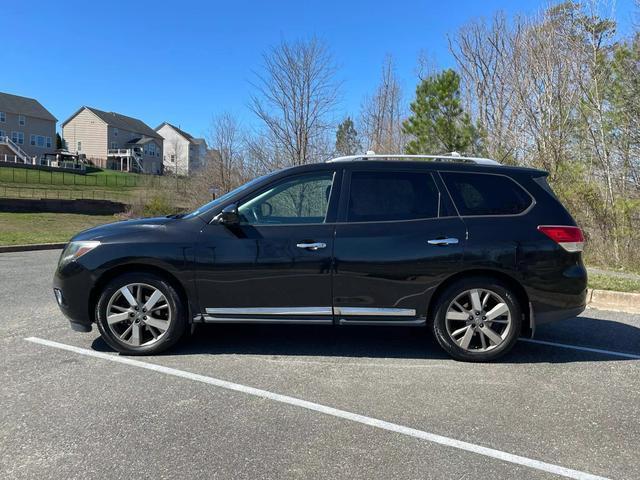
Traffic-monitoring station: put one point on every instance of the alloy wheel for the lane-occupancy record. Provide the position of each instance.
(139, 314)
(478, 320)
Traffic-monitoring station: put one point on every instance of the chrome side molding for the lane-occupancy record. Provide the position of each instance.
(312, 311)
(271, 311)
(374, 312)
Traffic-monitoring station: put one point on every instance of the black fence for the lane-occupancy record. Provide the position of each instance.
(47, 177)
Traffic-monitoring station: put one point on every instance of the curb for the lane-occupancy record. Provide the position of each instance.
(28, 248)
(616, 301)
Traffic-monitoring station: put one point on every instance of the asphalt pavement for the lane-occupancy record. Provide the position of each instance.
(273, 402)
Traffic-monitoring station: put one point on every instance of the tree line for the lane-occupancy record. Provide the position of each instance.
(559, 90)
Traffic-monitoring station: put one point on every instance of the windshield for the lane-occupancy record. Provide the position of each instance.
(226, 196)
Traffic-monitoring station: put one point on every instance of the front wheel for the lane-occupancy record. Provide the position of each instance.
(140, 313)
(477, 319)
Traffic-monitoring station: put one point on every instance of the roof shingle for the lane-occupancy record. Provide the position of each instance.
(120, 121)
(24, 106)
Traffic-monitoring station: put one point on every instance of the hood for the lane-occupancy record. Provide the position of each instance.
(123, 227)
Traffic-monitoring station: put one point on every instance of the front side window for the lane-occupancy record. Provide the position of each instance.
(79, 146)
(392, 196)
(486, 194)
(299, 200)
(32, 140)
(3, 117)
(40, 140)
(21, 120)
(49, 142)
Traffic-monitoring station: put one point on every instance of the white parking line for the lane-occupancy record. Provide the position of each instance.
(316, 407)
(584, 349)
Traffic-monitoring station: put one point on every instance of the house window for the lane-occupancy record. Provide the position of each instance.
(2, 133)
(17, 137)
(173, 159)
(79, 146)
(152, 149)
(49, 142)
(3, 117)
(21, 120)
(115, 132)
(32, 140)
(40, 140)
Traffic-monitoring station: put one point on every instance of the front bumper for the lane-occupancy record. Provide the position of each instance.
(72, 285)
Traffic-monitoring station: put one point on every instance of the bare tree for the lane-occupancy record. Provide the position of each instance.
(382, 114)
(226, 158)
(296, 93)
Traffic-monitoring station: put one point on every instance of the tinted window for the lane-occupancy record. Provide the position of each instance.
(481, 194)
(379, 196)
(302, 199)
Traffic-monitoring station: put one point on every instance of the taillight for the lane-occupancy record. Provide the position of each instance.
(569, 238)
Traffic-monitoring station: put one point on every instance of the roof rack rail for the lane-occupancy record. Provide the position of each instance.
(449, 157)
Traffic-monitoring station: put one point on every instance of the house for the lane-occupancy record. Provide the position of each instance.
(27, 129)
(112, 140)
(183, 153)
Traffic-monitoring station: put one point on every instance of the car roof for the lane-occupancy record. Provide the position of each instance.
(407, 164)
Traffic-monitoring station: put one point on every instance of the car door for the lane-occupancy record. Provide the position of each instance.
(275, 266)
(397, 238)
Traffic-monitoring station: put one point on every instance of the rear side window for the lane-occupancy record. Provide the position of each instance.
(483, 194)
(384, 196)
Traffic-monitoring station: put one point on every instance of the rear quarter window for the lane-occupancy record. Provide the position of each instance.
(486, 194)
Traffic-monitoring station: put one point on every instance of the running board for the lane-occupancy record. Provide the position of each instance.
(272, 321)
(418, 322)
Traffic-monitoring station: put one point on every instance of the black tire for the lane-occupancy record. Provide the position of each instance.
(453, 291)
(165, 340)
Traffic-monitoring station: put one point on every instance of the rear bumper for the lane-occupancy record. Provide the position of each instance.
(558, 296)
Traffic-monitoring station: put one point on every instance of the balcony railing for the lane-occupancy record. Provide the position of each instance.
(123, 152)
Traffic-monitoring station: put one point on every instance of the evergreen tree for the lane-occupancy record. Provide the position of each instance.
(438, 123)
(59, 142)
(347, 142)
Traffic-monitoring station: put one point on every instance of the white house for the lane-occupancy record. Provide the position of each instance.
(183, 153)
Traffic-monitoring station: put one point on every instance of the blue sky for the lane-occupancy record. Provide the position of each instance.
(184, 61)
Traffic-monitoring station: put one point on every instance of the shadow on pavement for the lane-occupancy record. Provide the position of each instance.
(400, 342)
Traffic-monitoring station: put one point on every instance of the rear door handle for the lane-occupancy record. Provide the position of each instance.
(312, 246)
(443, 241)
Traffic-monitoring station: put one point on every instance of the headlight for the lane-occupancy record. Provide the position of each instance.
(77, 249)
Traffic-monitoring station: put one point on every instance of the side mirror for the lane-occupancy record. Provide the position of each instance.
(229, 215)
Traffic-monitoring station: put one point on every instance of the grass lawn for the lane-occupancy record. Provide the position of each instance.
(27, 228)
(609, 282)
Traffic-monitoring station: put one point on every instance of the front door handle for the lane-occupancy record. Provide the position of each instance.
(312, 246)
(443, 241)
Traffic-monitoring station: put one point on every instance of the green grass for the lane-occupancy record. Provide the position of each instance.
(28, 228)
(609, 282)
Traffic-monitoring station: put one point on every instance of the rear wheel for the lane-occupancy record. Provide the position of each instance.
(140, 313)
(477, 319)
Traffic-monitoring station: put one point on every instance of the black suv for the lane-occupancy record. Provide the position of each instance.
(478, 252)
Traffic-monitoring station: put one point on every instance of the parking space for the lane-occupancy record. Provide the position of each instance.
(384, 402)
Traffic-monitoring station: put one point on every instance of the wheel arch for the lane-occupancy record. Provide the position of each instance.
(518, 290)
(118, 270)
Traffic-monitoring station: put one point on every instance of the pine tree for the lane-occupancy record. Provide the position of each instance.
(439, 124)
(59, 142)
(347, 142)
